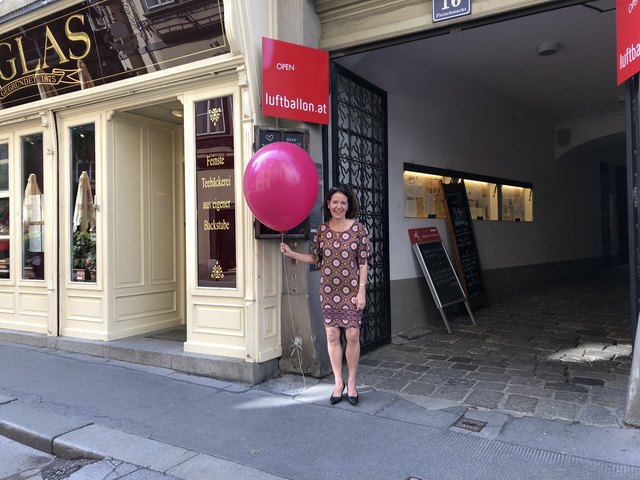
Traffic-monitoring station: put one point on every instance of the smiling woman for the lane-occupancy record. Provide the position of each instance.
(342, 252)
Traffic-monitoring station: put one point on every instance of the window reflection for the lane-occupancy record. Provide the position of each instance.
(215, 188)
(32, 208)
(4, 211)
(83, 214)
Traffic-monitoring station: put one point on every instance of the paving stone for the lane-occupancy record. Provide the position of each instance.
(417, 368)
(564, 386)
(587, 381)
(465, 367)
(367, 361)
(492, 370)
(610, 397)
(489, 377)
(448, 372)
(392, 384)
(493, 386)
(407, 375)
(484, 398)
(575, 397)
(526, 381)
(459, 360)
(460, 382)
(419, 388)
(439, 364)
(393, 365)
(520, 403)
(450, 393)
(594, 415)
(529, 391)
(549, 408)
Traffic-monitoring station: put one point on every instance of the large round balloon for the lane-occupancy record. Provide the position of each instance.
(281, 185)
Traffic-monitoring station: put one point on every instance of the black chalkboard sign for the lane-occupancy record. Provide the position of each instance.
(299, 137)
(439, 271)
(463, 239)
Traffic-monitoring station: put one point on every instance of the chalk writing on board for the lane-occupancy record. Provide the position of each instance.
(463, 238)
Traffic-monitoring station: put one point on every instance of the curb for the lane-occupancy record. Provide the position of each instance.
(67, 438)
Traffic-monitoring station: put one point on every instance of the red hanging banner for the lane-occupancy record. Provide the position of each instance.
(295, 81)
(628, 38)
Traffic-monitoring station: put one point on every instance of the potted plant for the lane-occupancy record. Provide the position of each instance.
(84, 254)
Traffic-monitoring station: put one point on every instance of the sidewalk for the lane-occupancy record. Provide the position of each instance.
(560, 351)
(191, 427)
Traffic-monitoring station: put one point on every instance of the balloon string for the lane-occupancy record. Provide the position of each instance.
(295, 345)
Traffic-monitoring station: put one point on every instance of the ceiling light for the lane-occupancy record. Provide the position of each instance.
(177, 112)
(545, 49)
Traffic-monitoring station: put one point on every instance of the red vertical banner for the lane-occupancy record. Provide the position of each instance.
(295, 81)
(627, 38)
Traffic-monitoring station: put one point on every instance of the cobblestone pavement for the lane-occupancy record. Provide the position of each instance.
(561, 351)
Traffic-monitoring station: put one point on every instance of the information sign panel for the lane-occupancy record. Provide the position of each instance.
(447, 9)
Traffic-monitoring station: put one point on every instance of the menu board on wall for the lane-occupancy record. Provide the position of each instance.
(300, 138)
(215, 187)
(463, 240)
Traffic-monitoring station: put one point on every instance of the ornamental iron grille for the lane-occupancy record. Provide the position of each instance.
(359, 161)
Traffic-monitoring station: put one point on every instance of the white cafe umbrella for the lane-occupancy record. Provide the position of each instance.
(84, 213)
(32, 212)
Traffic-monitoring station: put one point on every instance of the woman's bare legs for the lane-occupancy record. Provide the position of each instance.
(335, 356)
(353, 357)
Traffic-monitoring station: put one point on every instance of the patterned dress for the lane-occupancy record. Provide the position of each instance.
(340, 255)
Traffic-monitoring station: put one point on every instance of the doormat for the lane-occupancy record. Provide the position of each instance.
(469, 424)
(415, 333)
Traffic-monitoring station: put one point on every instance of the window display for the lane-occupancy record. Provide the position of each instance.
(490, 198)
(517, 204)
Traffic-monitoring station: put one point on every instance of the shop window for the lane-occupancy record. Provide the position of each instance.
(483, 199)
(4, 212)
(83, 213)
(33, 228)
(212, 117)
(517, 204)
(490, 198)
(215, 188)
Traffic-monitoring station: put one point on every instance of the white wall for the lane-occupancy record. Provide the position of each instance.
(450, 123)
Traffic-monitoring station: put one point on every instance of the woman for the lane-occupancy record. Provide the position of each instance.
(342, 252)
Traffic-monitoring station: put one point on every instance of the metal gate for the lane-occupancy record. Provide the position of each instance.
(359, 161)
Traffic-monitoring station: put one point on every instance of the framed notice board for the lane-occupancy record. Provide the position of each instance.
(299, 137)
(463, 240)
(438, 270)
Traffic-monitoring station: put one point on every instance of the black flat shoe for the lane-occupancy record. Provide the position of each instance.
(353, 400)
(337, 399)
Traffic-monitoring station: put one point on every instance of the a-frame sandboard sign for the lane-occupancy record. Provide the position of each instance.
(438, 270)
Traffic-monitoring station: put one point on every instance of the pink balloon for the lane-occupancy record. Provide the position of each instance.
(281, 185)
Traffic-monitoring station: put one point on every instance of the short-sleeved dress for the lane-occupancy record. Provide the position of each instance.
(339, 257)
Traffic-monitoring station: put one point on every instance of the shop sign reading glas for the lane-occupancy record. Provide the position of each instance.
(446, 9)
(295, 81)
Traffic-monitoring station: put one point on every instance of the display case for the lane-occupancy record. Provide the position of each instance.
(517, 204)
(483, 199)
(423, 195)
(489, 198)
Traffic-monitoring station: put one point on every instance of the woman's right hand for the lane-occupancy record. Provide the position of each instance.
(285, 249)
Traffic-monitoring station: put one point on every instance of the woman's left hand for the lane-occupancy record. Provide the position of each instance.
(361, 301)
